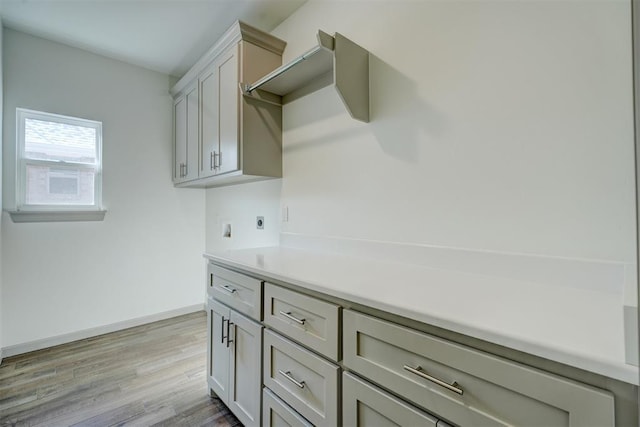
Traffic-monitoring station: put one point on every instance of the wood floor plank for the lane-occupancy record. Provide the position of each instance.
(154, 374)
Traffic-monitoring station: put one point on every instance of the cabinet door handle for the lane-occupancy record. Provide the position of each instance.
(228, 289)
(288, 376)
(222, 331)
(212, 162)
(229, 323)
(289, 316)
(186, 169)
(215, 160)
(422, 374)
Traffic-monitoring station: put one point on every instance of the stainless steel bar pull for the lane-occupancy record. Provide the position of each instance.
(229, 341)
(216, 160)
(289, 316)
(228, 289)
(422, 374)
(288, 376)
(222, 331)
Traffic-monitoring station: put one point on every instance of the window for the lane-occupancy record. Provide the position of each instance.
(58, 163)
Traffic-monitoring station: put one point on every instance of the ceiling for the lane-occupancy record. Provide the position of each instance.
(163, 35)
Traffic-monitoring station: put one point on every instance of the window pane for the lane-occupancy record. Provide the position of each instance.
(56, 186)
(63, 181)
(59, 141)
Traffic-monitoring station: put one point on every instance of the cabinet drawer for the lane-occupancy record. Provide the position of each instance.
(308, 383)
(276, 413)
(466, 386)
(305, 319)
(240, 292)
(366, 405)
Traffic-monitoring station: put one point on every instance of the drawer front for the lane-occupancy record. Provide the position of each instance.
(240, 292)
(308, 383)
(366, 405)
(305, 319)
(276, 413)
(466, 386)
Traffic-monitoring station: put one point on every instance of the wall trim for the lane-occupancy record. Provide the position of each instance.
(14, 350)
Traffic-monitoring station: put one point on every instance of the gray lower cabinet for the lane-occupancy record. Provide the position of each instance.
(307, 382)
(308, 320)
(366, 405)
(276, 413)
(463, 385)
(234, 371)
(241, 293)
(290, 373)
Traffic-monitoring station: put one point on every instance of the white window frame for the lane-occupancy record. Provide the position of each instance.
(71, 212)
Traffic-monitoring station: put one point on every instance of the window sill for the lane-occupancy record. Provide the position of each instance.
(56, 216)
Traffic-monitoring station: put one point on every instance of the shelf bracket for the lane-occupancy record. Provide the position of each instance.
(260, 96)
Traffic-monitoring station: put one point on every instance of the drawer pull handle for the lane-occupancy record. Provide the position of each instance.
(228, 288)
(288, 376)
(422, 374)
(295, 319)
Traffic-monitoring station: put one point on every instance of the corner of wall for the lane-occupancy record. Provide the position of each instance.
(1, 140)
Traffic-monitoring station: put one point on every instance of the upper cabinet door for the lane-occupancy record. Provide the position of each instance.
(210, 140)
(229, 93)
(191, 171)
(179, 138)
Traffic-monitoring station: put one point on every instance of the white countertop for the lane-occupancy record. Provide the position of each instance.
(578, 327)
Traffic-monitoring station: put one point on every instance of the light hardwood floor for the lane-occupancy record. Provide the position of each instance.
(149, 375)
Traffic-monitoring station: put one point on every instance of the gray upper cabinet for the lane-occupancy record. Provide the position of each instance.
(186, 120)
(236, 138)
(209, 141)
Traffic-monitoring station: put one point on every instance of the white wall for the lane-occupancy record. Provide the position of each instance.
(239, 205)
(145, 257)
(496, 125)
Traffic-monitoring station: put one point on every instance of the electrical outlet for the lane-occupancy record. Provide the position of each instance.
(260, 222)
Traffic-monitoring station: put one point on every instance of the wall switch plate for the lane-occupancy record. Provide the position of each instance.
(260, 222)
(226, 230)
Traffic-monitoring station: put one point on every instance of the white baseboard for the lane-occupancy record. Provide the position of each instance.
(27, 347)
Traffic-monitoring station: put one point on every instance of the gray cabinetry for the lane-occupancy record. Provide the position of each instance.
(234, 364)
(240, 292)
(236, 138)
(310, 321)
(291, 372)
(365, 405)
(185, 125)
(308, 383)
(466, 386)
(276, 413)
